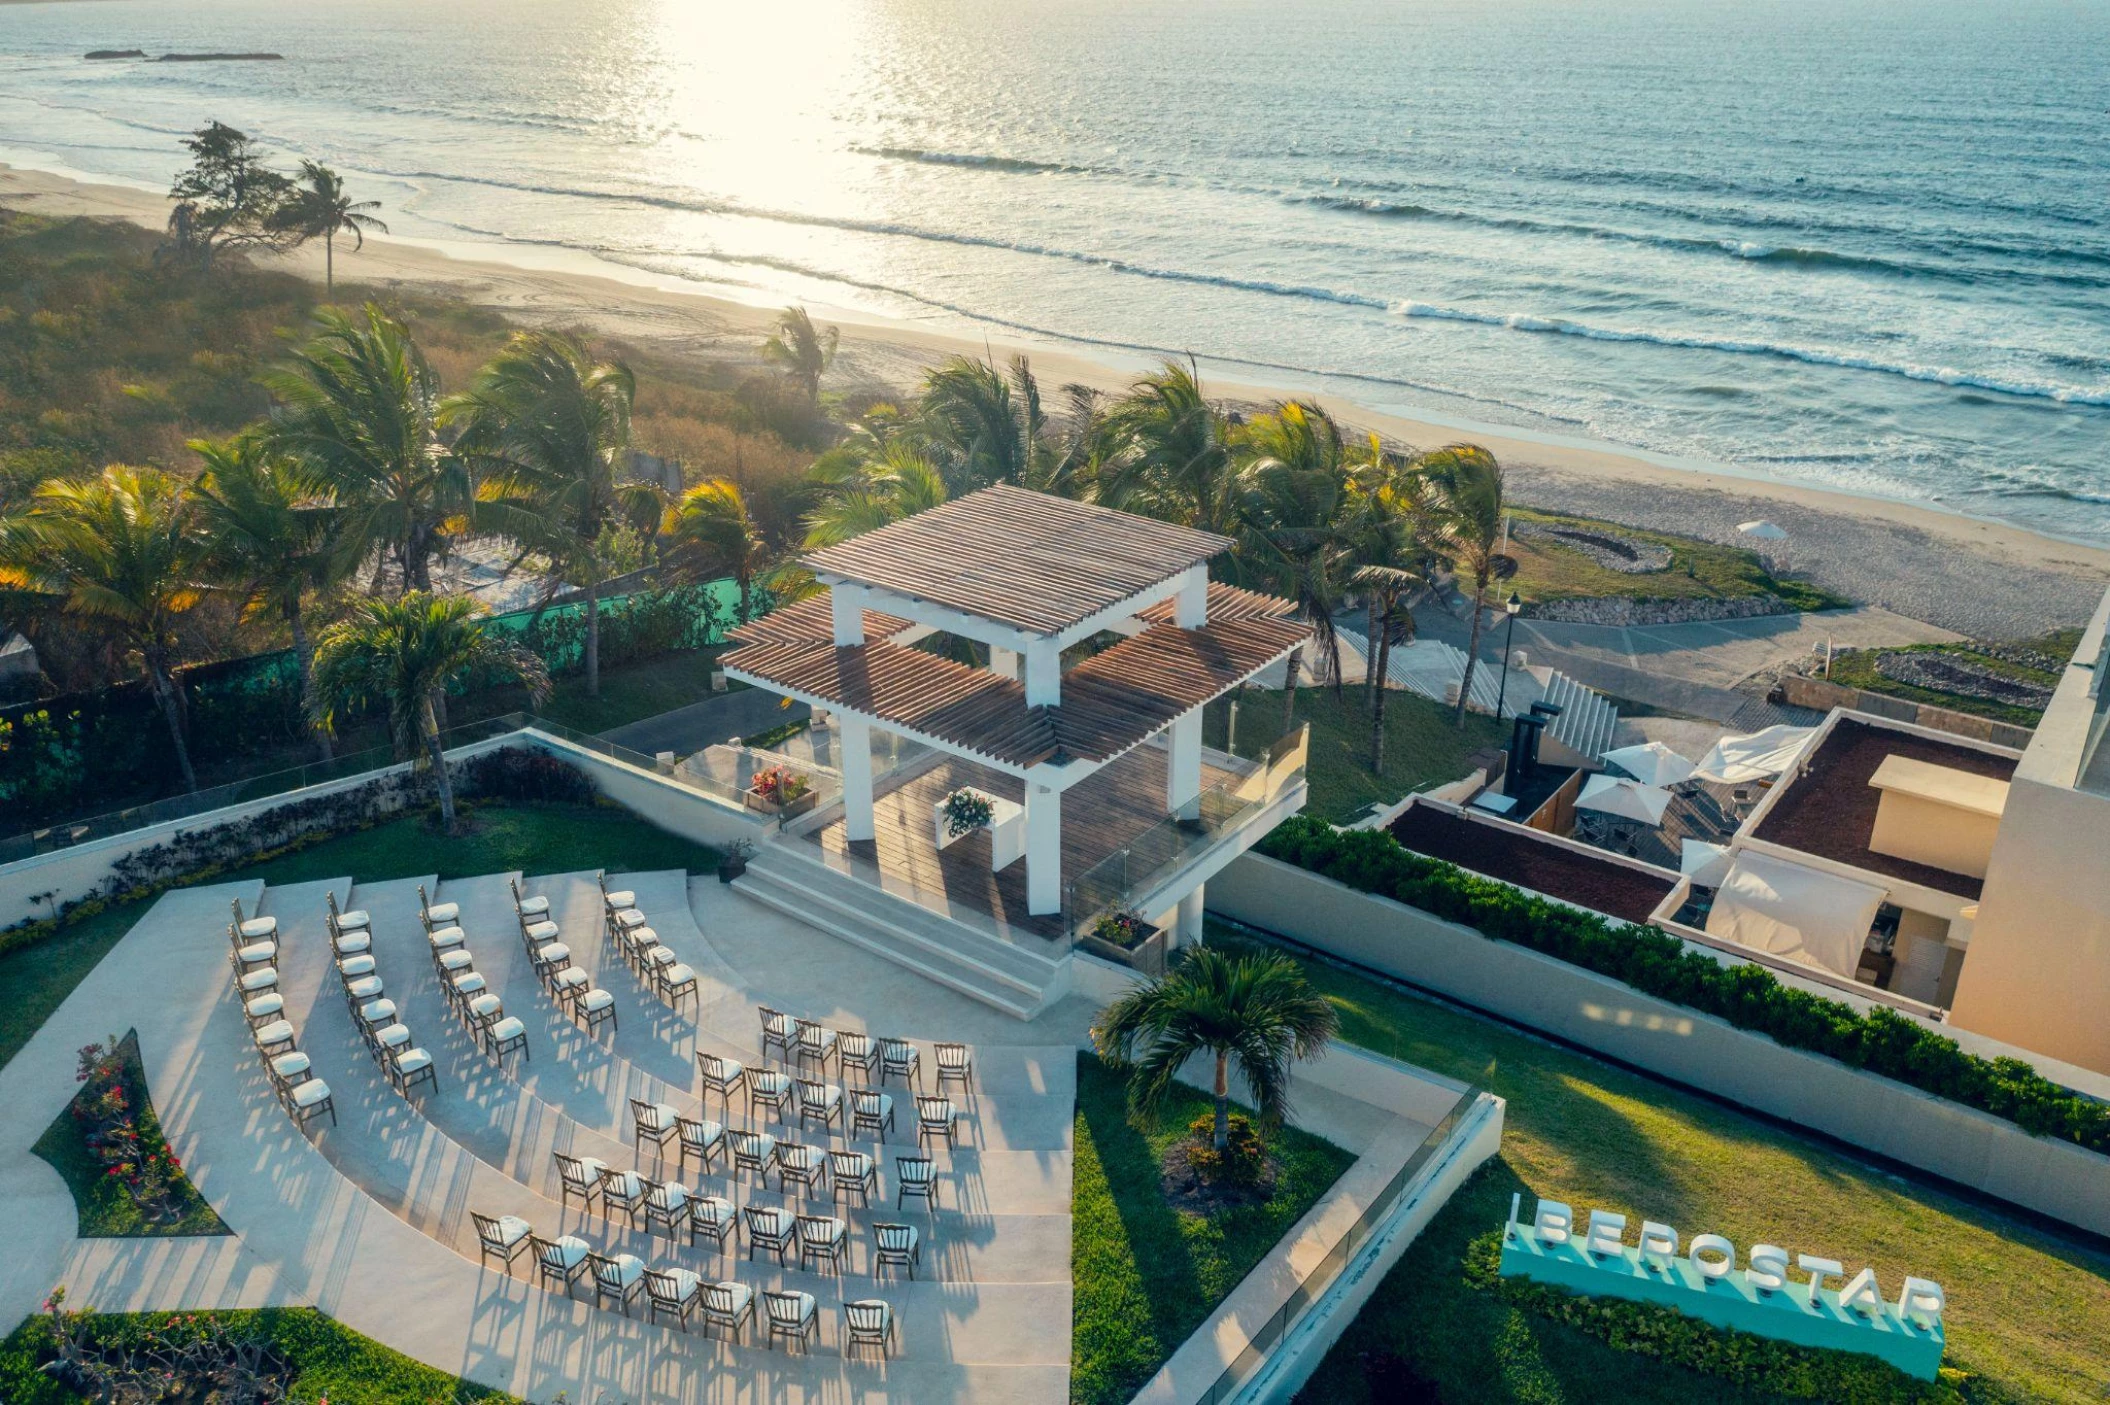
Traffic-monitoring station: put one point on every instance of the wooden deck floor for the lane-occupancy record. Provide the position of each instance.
(1099, 817)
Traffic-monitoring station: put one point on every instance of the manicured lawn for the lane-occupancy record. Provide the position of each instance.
(1699, 569)
(105, 1208)
(531, 838)
(1422, 746)
(1146, 1274)
(2026, 1309)
(330, 1362)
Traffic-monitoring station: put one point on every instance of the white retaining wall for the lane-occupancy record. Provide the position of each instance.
(71, 874)
(1940, 1137)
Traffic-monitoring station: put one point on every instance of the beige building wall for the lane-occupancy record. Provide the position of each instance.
(1928, 832)
(2038, 969)
(2038, 972)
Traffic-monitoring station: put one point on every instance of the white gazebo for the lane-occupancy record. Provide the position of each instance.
(1104, 639)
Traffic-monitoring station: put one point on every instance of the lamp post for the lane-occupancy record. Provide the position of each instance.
(1514, 605)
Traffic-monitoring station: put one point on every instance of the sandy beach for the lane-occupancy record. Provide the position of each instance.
(1981, 578)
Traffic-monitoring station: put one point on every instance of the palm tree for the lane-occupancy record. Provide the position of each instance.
(803, 350)
(857, 497)
(1255, 1007)
(548, 430)
(1387, 516)
(1175, 460)
(710, 535)
(266, 538)
(399, 655)
(1467, 484)
(320, 209)
(118, 553)
(981, 428)
(359, 407)
(1292, 490)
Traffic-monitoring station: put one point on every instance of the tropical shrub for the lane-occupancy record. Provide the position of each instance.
(1656, 963)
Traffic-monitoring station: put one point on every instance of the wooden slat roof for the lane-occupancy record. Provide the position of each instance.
(810, 619)
(1227, 602)
(1030, 560)
(1110, 702)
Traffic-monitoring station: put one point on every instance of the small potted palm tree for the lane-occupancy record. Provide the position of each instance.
(734, 861)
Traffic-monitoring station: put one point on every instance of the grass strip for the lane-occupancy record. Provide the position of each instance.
(1145, 1273)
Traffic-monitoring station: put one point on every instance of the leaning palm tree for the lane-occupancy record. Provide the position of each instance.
(547, 430)
(802, 350)
(359, 407)
(320, 209)
(118, 553)
(1175, 459)
(1387, 518)
(710, 536)
(1467, 484)
(980, 427)
(1293, 531)
(1255, 1008)
(398, 656)
(267, 540)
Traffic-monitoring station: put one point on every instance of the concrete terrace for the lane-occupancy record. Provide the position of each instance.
(369, 1220)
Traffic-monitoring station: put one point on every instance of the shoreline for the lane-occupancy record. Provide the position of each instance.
(1902, 555)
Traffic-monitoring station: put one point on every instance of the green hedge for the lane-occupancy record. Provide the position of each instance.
(1656, 963)
(1753, 1362)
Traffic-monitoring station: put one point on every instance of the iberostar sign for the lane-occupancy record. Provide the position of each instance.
(1704, 1282)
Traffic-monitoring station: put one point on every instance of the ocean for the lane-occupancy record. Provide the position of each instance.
(1859, 244)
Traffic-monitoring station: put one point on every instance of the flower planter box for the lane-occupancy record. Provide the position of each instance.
(1146, 955)
(790, 809)
(1007, 829)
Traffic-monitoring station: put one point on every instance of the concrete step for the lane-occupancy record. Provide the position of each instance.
(954, 955)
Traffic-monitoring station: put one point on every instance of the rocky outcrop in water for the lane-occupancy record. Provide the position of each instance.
(217, 58)
(116, 54)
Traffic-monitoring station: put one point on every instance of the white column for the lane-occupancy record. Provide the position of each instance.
(1191, 607)
(1043, 851)
(1043, 674)
(1188, 929)
(847, 604)
(1003, 662)
(855, 734)
(1183, 765)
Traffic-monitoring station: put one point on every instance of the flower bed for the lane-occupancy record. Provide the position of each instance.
(108, 1146)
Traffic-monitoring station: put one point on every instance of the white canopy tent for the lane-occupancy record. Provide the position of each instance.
(1629, 800)
(1756, 757)
(1651, 763)
(1705, 864)
(1769, 904)
(1763, 530)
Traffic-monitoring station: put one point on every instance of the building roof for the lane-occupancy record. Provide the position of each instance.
(1110, 702)
(1030, 560)
(1533, 860)
(810, 619)
(1828, 808)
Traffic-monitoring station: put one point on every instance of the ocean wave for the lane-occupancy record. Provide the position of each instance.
(1940, 375)
(1015, 165)
(2025, 484)
(1747, 250)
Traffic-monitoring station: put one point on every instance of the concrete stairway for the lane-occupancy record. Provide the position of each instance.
(1434, 669)
(790, 877)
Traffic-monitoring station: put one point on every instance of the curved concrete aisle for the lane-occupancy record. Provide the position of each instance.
(977, 1327)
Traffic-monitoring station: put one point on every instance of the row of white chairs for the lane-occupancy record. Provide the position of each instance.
(792, 1317)
(405, 1063)
(253, 945)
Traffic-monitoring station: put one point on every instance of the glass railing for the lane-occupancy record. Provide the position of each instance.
(1119, 880)
(1323, 1274)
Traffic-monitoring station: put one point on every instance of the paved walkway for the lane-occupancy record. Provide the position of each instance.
(1689, 668)
(368, 1219)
